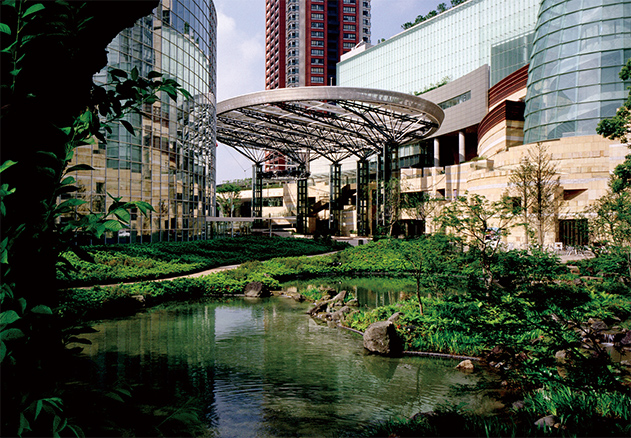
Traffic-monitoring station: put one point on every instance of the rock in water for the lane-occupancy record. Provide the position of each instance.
(465, 365)
(255, 289)
(381, 337)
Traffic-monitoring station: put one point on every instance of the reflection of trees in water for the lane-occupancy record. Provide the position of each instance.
(262, 367)
(371, 291)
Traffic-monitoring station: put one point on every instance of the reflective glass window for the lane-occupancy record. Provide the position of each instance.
(587, 94)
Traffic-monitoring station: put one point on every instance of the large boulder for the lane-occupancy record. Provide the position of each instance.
(381, 337)
(256, 289)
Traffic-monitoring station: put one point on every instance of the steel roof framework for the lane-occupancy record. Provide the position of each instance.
(335, 123)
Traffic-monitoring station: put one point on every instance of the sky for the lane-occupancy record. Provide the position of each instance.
(241, 56)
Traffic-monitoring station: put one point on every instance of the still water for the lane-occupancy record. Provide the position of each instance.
(370, 291)
(263, 368)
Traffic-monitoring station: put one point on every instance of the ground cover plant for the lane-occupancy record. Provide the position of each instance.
(534, 309)
(134, 262)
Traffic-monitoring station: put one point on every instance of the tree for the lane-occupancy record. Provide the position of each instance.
(520, 181)
(536, 182)
(619, 128)
(610, 223)
(228, 198)
(432, 260)
(482, 223)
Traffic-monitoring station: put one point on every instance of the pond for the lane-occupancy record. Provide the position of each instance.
(264, 368)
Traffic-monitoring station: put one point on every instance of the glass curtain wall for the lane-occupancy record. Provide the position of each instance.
(170, 163)
(580, 47)
(451, 45)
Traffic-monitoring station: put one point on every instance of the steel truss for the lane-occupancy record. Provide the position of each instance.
(331, 122)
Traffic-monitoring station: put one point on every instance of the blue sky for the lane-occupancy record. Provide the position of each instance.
(241, 55)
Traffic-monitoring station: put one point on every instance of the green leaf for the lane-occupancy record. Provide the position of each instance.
(10, 48)
(54, 402)
(3, 351)
(35, 8)
(11, 334)
(69, 203)
(42, 310)
(24, 424)
(78, 167)
(128, 127)
(113, 225)
(154, 74)
(144, 207)
(116, 72)
(68, 180)
(76, 340)
(38, 408)
(122, 214)
(114, 396)
(6, 165)
(15, 72)
(22, 302)
(8, 317)
(77, 431)
(56, 423)
(134, 73)
(5, 28)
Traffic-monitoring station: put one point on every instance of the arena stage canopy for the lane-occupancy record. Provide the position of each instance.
(305, 123)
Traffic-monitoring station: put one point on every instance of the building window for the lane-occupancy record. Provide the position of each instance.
(317, 7)
(317, 70)
(349, 10)
(349, 2)
(317, 16)
(317, 43)
(349, 45)
(317, 34)
(317, 80)
(317, 25)
(317, 52)
(349, 18)
(317, 61)
(349, 27)
(349, 36)
(455, 100)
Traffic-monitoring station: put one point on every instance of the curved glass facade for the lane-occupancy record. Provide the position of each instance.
(170, 163)
(573, 83)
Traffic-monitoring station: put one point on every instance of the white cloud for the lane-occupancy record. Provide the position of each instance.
(240, 68)
(241, 47)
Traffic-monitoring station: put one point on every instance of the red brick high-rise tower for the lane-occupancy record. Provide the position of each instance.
(305, 39)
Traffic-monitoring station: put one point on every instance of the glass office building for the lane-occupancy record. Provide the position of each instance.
(579, 49)
(452, 44)
(170, 162)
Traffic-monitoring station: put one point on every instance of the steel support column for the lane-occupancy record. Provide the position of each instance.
(335, 203)
(363, 174)
(390, 184)
(302, 207)
(257, 192)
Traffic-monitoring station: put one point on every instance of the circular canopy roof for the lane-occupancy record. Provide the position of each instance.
(332, 122)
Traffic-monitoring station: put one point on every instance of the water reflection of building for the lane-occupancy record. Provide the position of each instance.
(170, 163)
